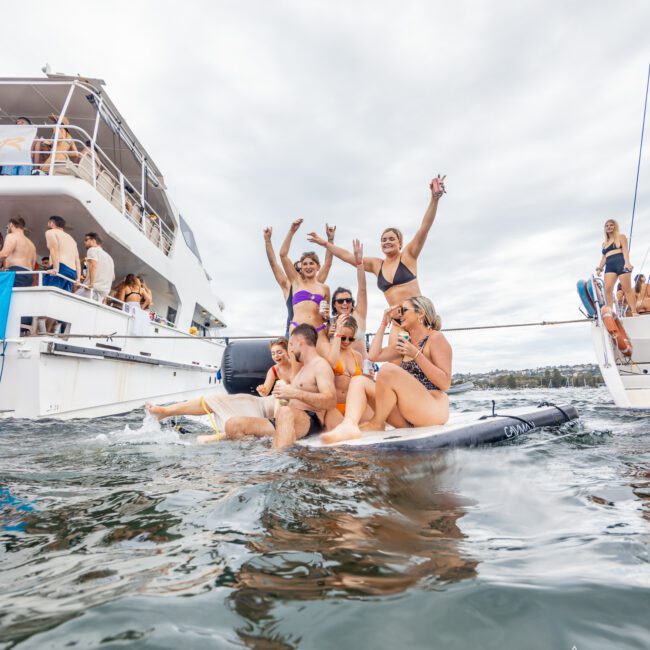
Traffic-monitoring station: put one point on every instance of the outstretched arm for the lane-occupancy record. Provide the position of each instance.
(265, 388)
(414, 247)
(278, 273)
(327, 264)
(361, 308)
(287, 264)
(342, 254)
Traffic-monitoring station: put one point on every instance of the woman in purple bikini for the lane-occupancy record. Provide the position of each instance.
(308, 293)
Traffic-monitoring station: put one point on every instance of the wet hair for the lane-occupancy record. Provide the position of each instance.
(397, 231)
(311, 256)
(282, 342)
(93, 235)
(336, 293)
(17, 222)
(423, 305)
(308, 333)
(616, 235)
(59, 222)
(351, 323)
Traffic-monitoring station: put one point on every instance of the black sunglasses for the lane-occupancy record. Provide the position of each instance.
(402, 310)
(342, 301)
(347, 338)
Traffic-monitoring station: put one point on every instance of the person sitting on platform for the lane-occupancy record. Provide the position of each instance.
(64, 255)
(18, 252)
(282, 368)
(303, 402)
(410, 390)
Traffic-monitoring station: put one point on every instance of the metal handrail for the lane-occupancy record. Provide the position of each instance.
(166, 236)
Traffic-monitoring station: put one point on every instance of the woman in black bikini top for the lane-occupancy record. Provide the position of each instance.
(399, 264)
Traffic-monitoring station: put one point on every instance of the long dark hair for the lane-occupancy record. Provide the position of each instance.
(336, 293)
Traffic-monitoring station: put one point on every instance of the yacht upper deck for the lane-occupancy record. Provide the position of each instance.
(80, 133)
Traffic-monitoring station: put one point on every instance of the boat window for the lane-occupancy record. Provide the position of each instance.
(188, 236)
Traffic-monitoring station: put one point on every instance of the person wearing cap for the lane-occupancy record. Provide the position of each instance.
(17, 170)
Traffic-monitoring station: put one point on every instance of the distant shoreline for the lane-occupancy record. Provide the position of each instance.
(581, 375)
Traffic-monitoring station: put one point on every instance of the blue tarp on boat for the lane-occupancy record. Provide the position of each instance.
(6, 287)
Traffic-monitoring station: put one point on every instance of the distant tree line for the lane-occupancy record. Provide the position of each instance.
(589, 377)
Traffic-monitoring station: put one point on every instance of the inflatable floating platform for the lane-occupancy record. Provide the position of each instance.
(462, 430)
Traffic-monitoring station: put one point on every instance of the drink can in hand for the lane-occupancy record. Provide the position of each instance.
(435, 186)
(405, 336)
(367, 367)
(323, 308)
(282, 402)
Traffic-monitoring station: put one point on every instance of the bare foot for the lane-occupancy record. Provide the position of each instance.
(153, 409)
(213, 437)
(371, 425)
(347, 430)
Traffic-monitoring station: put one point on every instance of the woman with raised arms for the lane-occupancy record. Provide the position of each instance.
(308, 291)
(411, 385)
(344, 305)
(280, 276)
(399, 264)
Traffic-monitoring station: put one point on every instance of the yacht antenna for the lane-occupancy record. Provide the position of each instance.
(638, 166)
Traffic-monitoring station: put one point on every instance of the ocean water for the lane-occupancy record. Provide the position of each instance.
(116, 533)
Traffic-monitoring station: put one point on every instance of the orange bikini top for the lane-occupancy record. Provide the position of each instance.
(340, 370)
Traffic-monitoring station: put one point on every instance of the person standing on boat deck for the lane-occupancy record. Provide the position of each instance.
(400, 264)
(64, 255)
(308, 292)
(101, 269)
(280, 276)
(18, 252)
(306, 399)
(616, 263)
(410, 388)
(147, 294)
(130, 291)
(344, 306)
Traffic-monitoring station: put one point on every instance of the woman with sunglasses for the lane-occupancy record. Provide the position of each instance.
(411, 385)
(308, 291)
(344, 306)
(346, 363)
(399, 264)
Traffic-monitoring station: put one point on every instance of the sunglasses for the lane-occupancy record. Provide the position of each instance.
(343, 301)
(347, 338)
(403, 310)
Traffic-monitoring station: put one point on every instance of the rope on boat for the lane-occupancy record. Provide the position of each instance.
(115, 335)
(638, 165)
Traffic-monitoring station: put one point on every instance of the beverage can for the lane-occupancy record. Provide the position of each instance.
(323, 308)
(367, 367)
(405, 336)
(435, 186)
(282, 402)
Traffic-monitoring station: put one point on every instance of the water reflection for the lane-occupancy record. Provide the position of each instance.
(375, 527)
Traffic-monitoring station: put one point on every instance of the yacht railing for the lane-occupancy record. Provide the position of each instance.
(91, 164)
(111, 301)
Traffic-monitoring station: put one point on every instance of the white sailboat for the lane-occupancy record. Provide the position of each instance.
(111, 186)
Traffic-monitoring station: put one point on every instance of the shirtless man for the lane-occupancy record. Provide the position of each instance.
(18, 252)
(307, 398)
(64, 255)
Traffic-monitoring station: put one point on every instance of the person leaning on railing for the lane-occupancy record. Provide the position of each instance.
(66, 149)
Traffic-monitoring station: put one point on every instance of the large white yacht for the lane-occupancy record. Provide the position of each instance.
(87, 366)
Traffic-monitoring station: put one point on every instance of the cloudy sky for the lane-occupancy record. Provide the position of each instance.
(261, 112)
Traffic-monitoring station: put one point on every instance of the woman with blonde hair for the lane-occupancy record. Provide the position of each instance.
(616, 263)
(411, 385)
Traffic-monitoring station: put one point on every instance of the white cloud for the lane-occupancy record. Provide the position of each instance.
(342, 112)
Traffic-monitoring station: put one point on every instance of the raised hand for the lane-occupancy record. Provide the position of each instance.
(437, 186)
(268, 233)
(357, 248)
(388, 315)
(330, 231)
(295, 225)
(315, 238)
